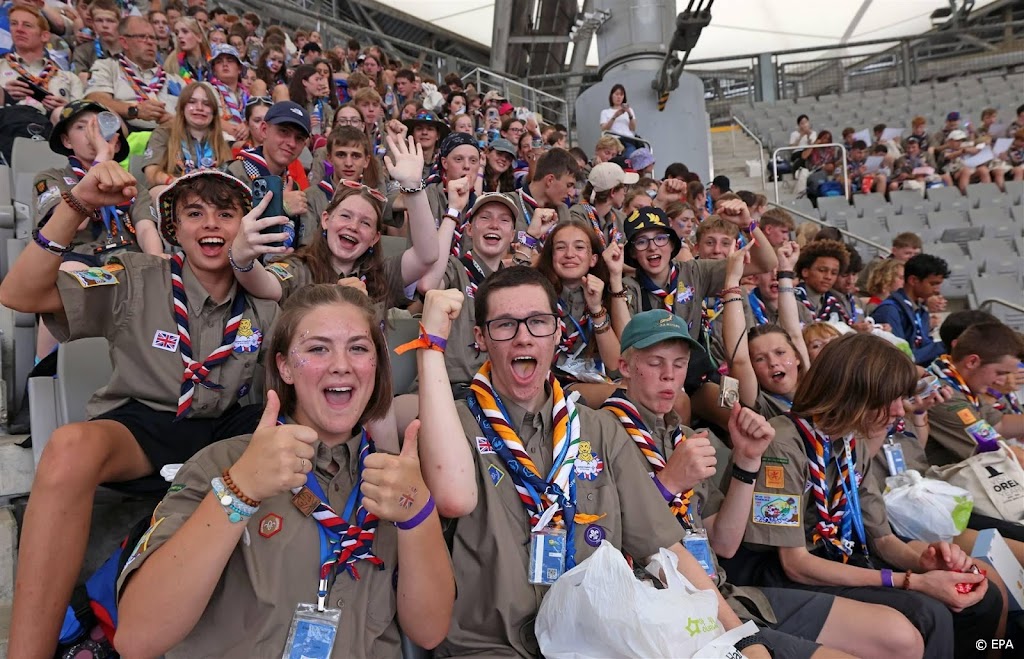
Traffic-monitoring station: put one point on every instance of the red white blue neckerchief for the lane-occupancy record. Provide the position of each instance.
(830, 304)
(327, 188)
(254, 163)
(116, 219)
(234, 106)
(196, 373)
(758, 307)
(143, 90)
(667, 295)
(1007, 403)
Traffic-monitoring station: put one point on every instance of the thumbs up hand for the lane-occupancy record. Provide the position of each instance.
(277, 458)
(393, 487)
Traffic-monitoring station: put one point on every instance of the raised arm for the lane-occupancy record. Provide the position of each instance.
(789, 316)
(31, 284)
(613, 258)
(405, 165)
(458, 199)
(607, 340)
(445, 458)
(734, 327)
(250, 244)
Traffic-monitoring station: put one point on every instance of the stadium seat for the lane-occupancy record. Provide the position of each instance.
(28, 158)
(939, 221)
(949, 198)
(403, 367)
(1015, 193)
(83, 366)
(836, 210)
(870, 204)
(6, 217)
(994, 223)
(949, 252)
(1003, 287)
(910, 202)
(904, 223)
(802, 205)
(982, 195)
(958, 284)
(997, 256)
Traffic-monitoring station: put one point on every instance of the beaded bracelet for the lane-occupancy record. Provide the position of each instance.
(734, 289)
(236, 509)
(734, 299)
(238, 268)
(76, 204)
(599, 314)
(230, 484)
(405, 190)
(417, 519)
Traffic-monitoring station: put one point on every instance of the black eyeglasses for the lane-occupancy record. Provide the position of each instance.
(642, 242)
(505, 329)
(259, 100)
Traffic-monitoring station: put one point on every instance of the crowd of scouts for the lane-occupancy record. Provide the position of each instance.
(589, 335)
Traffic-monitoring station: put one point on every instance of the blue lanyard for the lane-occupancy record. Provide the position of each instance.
(853, 511)
(915, 317)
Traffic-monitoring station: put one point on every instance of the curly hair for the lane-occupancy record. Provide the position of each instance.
(817, 249)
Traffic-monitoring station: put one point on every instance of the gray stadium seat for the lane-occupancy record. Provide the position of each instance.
(1003, 287)
(949, 198)
(28, 158)
(6, 217)
(986, 194)
(83, 366)
(949, 252)
(403, 367)
(942, 220)
(994, 223)
(910, 202)
(997, 256)
(803, 205)
(869, 202)
(836, 210)
(958, 284)
(1015, 192)
(905, 223)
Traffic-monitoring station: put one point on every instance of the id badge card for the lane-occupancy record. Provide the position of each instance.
(696, 542)
(312, 633)
(894, 459)
(547, 556)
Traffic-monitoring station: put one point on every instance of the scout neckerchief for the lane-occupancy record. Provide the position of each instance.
(474, 272)
(143, 90)
(901, 297)
(577, 333)
(254, 163)
(196, 373)
(346, 542)
(190, 73)
(758, 307)
(852, 300)
(830, 304)
(624, 409)
(116, 219)
(49, 68)
(1007, 403)
(234, 103)
(327, 188)
(943, 368)
(195, 155)
(667, 296)
(839, 505)
(595, 223)
(710, 309)
(538, 495)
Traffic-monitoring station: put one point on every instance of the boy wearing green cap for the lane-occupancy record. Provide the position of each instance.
(655, 350)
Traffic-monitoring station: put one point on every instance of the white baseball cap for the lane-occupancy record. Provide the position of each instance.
(608, 175)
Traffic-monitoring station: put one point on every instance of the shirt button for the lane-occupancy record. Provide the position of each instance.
(590, 496)
(340, 603)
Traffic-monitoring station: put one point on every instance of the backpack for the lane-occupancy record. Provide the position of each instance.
(91, 619)
(21, 121)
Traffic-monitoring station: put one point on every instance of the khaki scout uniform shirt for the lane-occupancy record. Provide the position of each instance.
(770, 406)
(697, 279)
(276, 566)
(461, 357)
(49, 185)
(62, 84)
(784, 514)
(128, 302)
(612, 218)
(496, 607)
(525, 213)
(84, 57)
(307, 225)
(106, 76)
(948, 441)
(747, 603)
(576, 306)
(294, 275)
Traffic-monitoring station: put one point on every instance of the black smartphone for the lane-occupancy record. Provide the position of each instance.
(260, 187)
(38, 92)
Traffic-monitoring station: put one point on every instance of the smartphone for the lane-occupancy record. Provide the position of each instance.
(492, 113)
(260, 188)
(38, 92)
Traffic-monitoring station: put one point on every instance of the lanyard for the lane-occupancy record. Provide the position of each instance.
(852, 492)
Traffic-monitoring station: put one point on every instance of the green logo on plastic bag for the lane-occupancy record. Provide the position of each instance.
(696, 626)
(962, 512)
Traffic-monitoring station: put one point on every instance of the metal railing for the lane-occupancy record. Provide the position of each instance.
(519, 94)
(760, 154)
(998, 300)
(775, 164)
(882, 249)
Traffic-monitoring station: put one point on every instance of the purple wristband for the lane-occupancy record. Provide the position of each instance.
(528, 240)
(419, 517)
(887, 579)
(664, 490)
(438, 341)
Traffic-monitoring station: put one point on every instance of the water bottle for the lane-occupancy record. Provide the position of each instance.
(109, 125)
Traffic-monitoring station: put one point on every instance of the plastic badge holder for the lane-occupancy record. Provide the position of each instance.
(312, 633)
(547, 556)
(109, 125)
(696, 542)
(894, 459)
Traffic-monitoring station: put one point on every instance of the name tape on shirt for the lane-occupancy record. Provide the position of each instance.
(776, 509)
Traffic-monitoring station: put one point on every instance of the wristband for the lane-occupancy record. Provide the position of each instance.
(454, 214)
(752, 226)
(529, 241)
(230, 484)
(419, 517)
(733, 299)
(239, 268)
(744, 476)
(425, 342)
(600, 314)
(53, 248)
(621, 294)
(76, 204)
(785, 274)
(786, 289)
(887, 579)
(735, 289)
(906, 580)
(236, 509)
(406, 190)
(668, 496)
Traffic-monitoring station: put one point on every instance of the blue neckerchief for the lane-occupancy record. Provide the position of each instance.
(758, 307)
(526, 479)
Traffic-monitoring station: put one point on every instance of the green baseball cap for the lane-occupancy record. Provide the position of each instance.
(652, 327)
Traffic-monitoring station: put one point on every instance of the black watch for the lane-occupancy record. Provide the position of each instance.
(133, 111)
(753, 639)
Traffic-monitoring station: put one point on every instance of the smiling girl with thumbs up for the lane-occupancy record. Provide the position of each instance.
(290, 538)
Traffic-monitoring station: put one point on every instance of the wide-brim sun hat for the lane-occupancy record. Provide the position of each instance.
(168, 196)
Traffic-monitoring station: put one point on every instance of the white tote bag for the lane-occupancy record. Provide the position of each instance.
(995, 479)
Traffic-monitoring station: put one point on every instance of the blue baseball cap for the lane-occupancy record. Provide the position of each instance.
(288, 112)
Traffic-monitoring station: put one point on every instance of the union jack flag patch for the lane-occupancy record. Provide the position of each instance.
(166, 341)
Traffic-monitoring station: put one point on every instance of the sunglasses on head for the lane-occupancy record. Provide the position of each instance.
(376, 194)
(259, 100)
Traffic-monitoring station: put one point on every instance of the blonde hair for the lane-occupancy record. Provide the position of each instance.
(882, 277)
(820, 330)
(179, 131)
(609, 142)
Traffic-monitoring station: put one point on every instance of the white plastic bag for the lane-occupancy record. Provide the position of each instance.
(926, 509)
(600, 609)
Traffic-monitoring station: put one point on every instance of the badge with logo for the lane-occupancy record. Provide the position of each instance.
(305, 501)
(776, 509)
(248, 338)
(685, 293)
(70, 180)
(495, 474)
(588, 464)
(280, 270)
(271, 525)
(166, 341)
(95, 277)
(470, 291)
(483, 445)
(774, 477)
(594, 535)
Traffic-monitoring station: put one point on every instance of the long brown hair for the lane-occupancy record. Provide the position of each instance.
(317, 255)
(852, 383)
(179, 131)
(306, 301)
